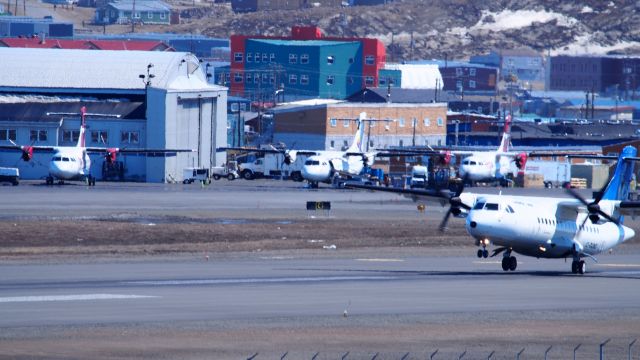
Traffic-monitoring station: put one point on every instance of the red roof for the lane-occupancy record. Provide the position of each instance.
(36, 42)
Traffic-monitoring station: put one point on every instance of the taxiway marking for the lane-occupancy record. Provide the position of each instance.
(78, 297)
(256, 280)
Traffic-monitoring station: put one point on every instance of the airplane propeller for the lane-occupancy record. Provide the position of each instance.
(592, 207)
(455, 203)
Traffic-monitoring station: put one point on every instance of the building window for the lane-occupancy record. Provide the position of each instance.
(304, 59)
(472, 72)
(351, 60)
(149, 15)
(345, 144)
(330, 60)
(401, 143)
(237, 77)
(265, 78)
(369, 60)
(330, 79)
(368, 80)
(304, 79)
(237, 57)
(249, 57)
(370, 143)
(401, 122)
(293, 58)
(38, 135)
(136, 15)
(472, 84)
(272, 79)
(459, 85)
(162, 16)
(382, 81)
(256, 78)
(257, 58)
(248, 77)
(293, 79)
(333, 144)
(265, 57)
(7, 134)
(345, 123)
(129, 137)
(458, 71)
(99, 137)
(440, 121)
(334, 122)
(427, 122)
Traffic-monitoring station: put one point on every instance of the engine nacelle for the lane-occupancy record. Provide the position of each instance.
(110, 157)
(27, 153)
(521, 161)
(290, 157)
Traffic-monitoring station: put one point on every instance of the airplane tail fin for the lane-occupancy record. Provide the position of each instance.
(618, 186)
(356, 145)
(83, 126)
(506, 135)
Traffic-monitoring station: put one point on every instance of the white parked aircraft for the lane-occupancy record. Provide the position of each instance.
(73, 162)
(324, 165)
(491, 165)
(544, 227)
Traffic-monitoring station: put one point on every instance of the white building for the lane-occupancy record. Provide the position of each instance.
(164, 100)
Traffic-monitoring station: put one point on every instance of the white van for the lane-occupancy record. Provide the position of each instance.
(11, 175)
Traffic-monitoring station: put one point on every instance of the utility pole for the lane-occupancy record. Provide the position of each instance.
(133, 13)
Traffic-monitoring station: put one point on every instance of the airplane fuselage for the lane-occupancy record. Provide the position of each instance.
(485, 166)
(321, 167)
(540, 227)
(69, 163)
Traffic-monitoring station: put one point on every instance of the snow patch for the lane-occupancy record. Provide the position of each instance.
(508, 19)
(585, 45)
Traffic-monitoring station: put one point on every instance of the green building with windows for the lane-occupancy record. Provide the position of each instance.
(144, 12)
(302, 69)
(305, 65)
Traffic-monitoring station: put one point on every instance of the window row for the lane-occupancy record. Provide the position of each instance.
(238, 57)
(345, 144)
(401, 122)
(71, 136)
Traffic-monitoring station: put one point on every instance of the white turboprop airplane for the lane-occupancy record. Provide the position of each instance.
(73, 162)
(544, 227)
(323, 165)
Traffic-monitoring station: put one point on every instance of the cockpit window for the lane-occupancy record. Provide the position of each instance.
(57, 158)
(479, 206)
(66, 159)
(466, 162)
(472, 162)
(509, 209)
(312, 162)
(491, 206)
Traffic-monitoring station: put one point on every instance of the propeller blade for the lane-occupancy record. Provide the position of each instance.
(443, 224)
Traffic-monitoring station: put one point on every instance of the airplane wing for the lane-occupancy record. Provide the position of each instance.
(441, 197)
(21, 148)
(267, 151)
(147, 152)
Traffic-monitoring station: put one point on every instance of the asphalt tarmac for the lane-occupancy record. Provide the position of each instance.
(361, 301)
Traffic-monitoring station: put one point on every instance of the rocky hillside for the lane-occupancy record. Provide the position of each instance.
(457, 28)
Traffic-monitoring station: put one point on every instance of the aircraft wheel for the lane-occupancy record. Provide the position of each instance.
(479, 253)
(513, 263)
(574, 267)
(49, 180)
(485, 253)
(505, 263)
(582, 267)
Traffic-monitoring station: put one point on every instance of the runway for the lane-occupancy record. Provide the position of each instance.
(264, 287)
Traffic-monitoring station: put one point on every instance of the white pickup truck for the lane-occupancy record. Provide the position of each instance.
(11, 175)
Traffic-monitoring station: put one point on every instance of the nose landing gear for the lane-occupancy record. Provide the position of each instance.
(578, 267)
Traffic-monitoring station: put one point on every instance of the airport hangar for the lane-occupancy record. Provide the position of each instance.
(163, 99)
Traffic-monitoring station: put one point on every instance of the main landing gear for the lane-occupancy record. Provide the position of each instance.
(578, 267)
(509, 263)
